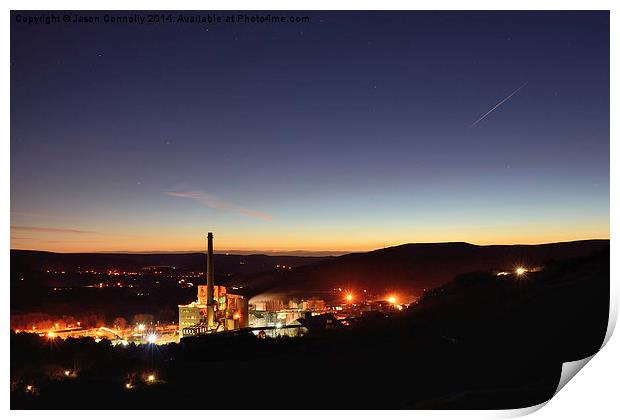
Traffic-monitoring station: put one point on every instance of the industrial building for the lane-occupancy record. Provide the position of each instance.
(214, 309)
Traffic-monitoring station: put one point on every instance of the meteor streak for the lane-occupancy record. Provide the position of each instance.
(497, 106)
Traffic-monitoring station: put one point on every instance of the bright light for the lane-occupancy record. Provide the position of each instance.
(279, 325)
(67, 372)
(29, 388)
(141, 327)
(236, 315)
(51, 334)
(520, 271)
(128, 385)
(150, 378)
(392, 299)
(152, 338)
(349, 297)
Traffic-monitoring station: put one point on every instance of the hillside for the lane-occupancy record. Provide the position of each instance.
(23, 261)
(413, 267)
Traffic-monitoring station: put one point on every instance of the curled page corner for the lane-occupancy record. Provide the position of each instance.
(520, 412)
(570, 369)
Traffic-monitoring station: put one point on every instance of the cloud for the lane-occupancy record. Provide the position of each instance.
(50, 229)
(214, 202)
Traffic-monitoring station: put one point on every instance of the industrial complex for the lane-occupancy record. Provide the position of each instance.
(215, 309)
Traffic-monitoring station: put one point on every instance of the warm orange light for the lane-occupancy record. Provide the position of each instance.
(51, 334)
(67, 372)
(236, 315)
(150, 378)
(128, 385)
(520, 271)
(349, 297)
(29, 388)
(392, 299)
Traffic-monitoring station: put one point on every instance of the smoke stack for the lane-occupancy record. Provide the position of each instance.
(210, 280)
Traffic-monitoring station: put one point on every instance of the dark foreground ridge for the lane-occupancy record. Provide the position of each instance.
(481, 341)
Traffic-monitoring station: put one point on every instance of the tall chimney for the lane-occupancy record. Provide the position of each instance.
(210, 281)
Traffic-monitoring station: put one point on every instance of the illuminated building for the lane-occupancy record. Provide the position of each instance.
(313, 305)
(214, 309)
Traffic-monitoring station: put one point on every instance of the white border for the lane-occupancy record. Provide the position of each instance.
(592, 395)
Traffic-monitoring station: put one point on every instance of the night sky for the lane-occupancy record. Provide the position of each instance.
(352, 132)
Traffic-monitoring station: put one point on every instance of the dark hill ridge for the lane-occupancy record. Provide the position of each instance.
(27, 261)
(414, 267)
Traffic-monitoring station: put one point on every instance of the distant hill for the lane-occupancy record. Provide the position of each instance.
(28, 261)
(413, 267)
(409, 267)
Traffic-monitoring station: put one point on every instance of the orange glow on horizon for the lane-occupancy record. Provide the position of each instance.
(281, 238)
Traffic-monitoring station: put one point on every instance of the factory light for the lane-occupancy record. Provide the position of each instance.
(29, 388)
(67, 372)
(349, 297)
(151, 378)
(128, 385)
(152, 338)
(520, 271)
(392, 299)
(51, 334)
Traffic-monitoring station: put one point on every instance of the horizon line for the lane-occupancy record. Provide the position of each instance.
(299, 251)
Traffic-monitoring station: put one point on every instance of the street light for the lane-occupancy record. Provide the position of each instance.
(520, 271)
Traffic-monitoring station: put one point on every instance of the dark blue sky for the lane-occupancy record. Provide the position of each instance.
(345, 133)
